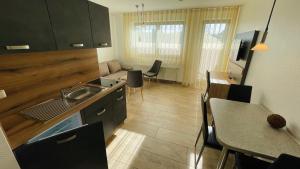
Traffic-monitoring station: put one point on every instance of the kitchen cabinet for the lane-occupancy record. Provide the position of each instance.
(110, 110)
(80, 148)
(100, 25)
(101, 110)
(25, 27)
(119, 106)
(70, 23)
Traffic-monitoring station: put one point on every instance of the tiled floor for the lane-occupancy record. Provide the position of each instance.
(160, 131)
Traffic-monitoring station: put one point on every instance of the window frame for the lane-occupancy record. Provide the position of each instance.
(157, 26)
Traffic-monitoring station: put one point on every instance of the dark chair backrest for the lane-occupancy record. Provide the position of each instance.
(81, 148)
(156, 67)
(204, 117)
(286, 161)
(208, 79)
(135, 78)
(207, 82)
(240, 93)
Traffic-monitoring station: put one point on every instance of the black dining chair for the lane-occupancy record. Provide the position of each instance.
(286, 161)
(135, 80)
(207, 133)
(207, 84)
(154, 70)
(243, 161)
(240, 93)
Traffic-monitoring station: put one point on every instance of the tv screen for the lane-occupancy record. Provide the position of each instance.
(235, 50)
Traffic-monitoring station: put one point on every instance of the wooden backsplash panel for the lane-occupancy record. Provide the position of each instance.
(31, 78)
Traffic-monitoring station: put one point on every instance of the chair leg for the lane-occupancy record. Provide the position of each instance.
(195, 150)
(142, 93)
(149, 81)
(156, 79)
(128, 91)
(199, 157)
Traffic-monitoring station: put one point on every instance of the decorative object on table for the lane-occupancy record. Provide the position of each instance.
(276, 121)
(153, 72)
(135, 80)
(262, 46)
(7, 159)
(2, 94)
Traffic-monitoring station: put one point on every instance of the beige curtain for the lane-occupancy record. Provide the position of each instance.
(209, 35)
(194, 40)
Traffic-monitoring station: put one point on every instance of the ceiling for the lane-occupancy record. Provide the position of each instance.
(116, 6)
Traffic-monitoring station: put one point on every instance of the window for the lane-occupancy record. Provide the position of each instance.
(214, 39)
(159, 40)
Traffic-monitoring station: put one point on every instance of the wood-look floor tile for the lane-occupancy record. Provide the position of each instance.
(165, 149)
(140, 127)
(159, 132)
(147, 160)
(183, 139)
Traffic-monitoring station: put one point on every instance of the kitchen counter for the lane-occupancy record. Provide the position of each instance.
(25, 128)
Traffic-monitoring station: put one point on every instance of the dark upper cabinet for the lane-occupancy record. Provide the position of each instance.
(25, 27)
(71, 23)
(99, 16)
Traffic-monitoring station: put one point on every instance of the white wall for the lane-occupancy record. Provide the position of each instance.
(275, 74)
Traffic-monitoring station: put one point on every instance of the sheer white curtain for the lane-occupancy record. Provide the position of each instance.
(195, 40)
(208, 45)
(160, 37)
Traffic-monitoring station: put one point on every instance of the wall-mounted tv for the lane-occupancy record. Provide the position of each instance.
(238, 49)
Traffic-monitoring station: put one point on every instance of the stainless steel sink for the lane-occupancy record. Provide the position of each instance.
(83, 92)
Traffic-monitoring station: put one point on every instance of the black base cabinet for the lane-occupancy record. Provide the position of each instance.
(119, 108)
(110, 110)
(80, 148)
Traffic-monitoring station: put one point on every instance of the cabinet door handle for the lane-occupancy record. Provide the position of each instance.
(77, 45)
(66, 140)
(120, 98)
(102, 112)
(120, 90)
(18, 47)
(104, 44)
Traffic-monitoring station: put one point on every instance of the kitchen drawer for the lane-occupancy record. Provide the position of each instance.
(119, 92)
(100, 111)
(119, 110)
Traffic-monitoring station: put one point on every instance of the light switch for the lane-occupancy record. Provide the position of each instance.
(2, 94)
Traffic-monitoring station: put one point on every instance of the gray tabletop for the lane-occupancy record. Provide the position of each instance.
(243, 127)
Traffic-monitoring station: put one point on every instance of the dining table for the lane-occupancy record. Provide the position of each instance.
(243, 127)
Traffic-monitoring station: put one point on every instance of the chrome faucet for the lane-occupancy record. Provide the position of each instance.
(63, 91)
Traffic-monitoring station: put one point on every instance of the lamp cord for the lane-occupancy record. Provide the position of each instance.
(267, 28)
